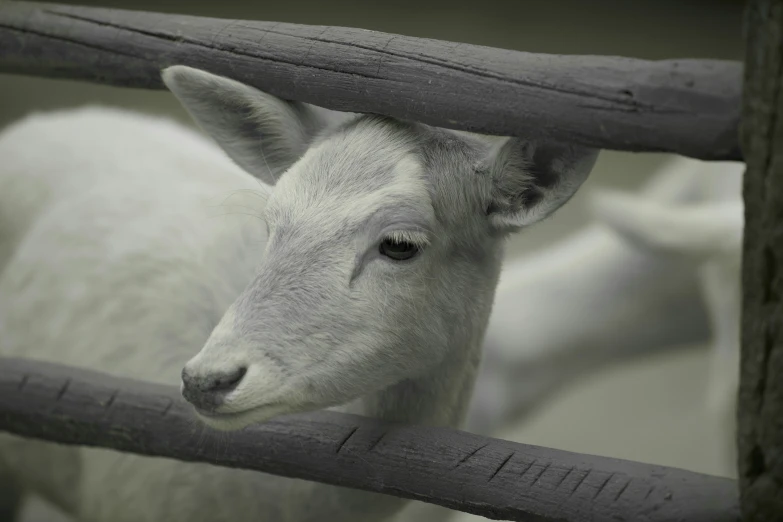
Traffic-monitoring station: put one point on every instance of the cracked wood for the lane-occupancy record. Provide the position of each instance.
(690, 107)
(493, 478)
(760, 404)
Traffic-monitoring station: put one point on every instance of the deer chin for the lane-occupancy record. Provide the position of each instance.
(237, 420)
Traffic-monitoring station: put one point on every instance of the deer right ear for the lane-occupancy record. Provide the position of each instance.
(263, 134)
(530, 180)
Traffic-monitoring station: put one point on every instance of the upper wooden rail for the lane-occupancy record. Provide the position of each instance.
(494, 478)
(689, 107)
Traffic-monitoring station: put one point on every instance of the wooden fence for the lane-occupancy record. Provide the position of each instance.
(689, 107)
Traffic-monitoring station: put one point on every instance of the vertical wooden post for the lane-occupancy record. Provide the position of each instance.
(760, 412)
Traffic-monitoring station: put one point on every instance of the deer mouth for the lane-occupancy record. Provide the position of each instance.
(236, 420)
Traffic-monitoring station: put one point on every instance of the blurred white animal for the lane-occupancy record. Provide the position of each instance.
(632, 282)
(707, 233)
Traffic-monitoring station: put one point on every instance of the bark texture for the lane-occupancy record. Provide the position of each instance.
(493, 478)
(760, 411)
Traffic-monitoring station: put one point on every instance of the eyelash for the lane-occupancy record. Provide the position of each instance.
(398, 251)
(400, 246)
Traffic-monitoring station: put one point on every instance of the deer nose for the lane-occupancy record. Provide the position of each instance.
(208, 390)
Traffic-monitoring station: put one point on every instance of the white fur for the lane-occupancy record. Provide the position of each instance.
(133, 246)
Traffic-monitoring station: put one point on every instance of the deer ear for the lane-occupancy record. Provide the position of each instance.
(532, 179)
(263, 134)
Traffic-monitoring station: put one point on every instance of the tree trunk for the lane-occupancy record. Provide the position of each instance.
(760, 412)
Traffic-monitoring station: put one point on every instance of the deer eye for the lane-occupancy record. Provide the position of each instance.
(398, 250)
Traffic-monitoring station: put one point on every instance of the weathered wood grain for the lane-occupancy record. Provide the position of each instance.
(690, 107)
(760, 412)
(494, 478)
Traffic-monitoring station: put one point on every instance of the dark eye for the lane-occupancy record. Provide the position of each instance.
(398, 250)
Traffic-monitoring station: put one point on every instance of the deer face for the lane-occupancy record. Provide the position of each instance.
(383, 245)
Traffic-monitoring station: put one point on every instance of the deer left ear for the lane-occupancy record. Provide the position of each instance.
(532, 179)
(262, 133)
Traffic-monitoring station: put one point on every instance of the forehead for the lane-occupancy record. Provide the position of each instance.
(355, 170)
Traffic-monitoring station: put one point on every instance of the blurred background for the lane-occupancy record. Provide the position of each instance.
(650, 409)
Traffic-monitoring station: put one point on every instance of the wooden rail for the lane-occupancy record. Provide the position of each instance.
(494, 478)
(689, 107)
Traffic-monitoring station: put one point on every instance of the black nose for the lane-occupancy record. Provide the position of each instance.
(207, 391)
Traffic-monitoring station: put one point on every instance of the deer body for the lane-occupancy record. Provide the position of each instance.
(620, 303)
(350, 263)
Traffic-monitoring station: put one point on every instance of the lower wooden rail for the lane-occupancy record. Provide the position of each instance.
(493, 478)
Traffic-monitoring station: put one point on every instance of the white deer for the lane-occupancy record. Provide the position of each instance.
(363, 281)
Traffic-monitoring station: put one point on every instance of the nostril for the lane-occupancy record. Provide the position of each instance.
(207, 392)
(227, 381)
(186, 377)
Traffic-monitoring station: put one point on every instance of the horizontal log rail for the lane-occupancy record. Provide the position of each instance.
(689, 107)
(494, 478)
